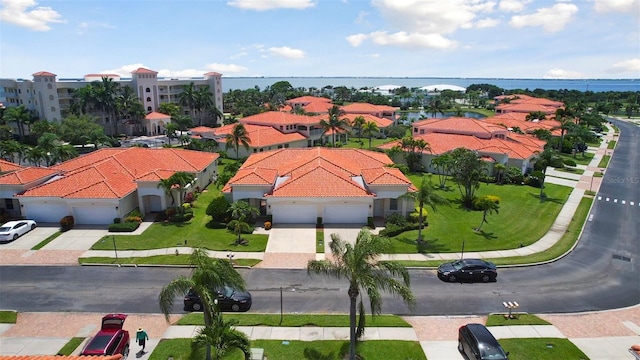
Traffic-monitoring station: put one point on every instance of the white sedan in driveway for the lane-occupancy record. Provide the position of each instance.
(14, 229)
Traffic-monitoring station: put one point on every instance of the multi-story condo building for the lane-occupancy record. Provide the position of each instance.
(50, 98)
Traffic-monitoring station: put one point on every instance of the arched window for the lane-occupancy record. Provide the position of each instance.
(148, 108)
(148, 99)
(53, 108)
(50, 97)
(148, 90)
(49, 86)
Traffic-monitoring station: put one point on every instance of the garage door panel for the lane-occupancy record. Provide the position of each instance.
(43, 213)
(94, 215)
(294, 214)
(345, 214)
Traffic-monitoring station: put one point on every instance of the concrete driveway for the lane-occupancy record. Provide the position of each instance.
(30, 239)
(81, 237)
(292, 238)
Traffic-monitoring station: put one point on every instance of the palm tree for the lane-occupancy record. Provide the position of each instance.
(189, 97)
(167, 185)
(238, 226)
(357, 124)
(546, 158)
(335, 123)
(63, 153)
(238, 136)
(426, 195)
(499, 168)
(359, 265)
(207, 275)
(170, 130)
(488, 206)
(36, 155)
(48, 143)
(19, 115)
(241, 210)
(221, 336)
(83, 99)
(105, 94)
(369, 130)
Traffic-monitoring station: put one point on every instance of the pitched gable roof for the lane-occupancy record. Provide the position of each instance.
(156, 115)
(366, 108)
(43, 73)
(280, 118)
(28, 175)
(381, 122)
(7, 166)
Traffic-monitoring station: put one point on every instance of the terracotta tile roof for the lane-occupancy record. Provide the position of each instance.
(458, 125)
(44, 73)
(202, 130)
(381, 122)
(278, 118)
(58, 357)
(6, 166)
(213, 73)
(321, 172)
(143, 71)
(366, 108)
(307, 100)
(26, 175)
(518, 119)
(156, 115)
(318, 107)
(260, 136)
(255, 176)
(112, 173)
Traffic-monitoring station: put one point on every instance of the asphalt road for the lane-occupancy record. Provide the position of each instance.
(601, 273)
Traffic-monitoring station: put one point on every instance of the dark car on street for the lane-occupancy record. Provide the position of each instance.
(229, 299)
(475, 342)
(112, 339)
(468, 270)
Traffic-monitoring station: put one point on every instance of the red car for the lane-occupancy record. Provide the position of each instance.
(112, 339)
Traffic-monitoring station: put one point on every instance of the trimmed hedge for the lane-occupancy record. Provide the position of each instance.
(124, 227)
(392, 229)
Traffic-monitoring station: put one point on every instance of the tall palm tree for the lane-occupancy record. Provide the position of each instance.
(357, 124)
(48, 143)
(170, 130)
(106, 92)
(83, 99)
(426, 195)
(488, 206)
(499, 168)
(62, 153)
(36, 156)
(189, 97)
(207, 275)
(238, 136)
(180, 180)
(19, 115)
(546, 158)
(359, 265)
(335, 123)
(369, 130)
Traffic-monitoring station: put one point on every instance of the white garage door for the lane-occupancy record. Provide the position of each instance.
(344, 214)
(294, 214)
(94, 214)
(43, 213)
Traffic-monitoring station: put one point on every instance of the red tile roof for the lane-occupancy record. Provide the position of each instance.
(260, 136)
(143, 71)
(280, 118)
(156, 115)
(6, 166)
(213, 73)
(517, 119)
(458, 125)
(44, 73)
(307, 100)
(319, 172)
(113, 173)
(27, 175)
(366, 108)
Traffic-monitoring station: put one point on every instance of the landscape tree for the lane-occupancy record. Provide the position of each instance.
(359, 265)
(467, 169)
(413, 150)
(357, 124)
(548, 157)
(336, 122)
(425, 196)
(369, 130)
(105, 94)
(442, 164)
(238, 136)
(19, 115)
(48, 143)
(207, 275)
(170, 109)
(221, 336)
(488, 205)
(500, 168)
(13, 150)
(178, 181)
(74, 129)
(189, 98)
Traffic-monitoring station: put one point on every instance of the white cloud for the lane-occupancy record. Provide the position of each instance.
(16, 12)
(362, 18)
(562, 74)
(125, 70)
(623, 6)
(239, 55)
(550, 19)
(86, 25)
(631, 65)
(225, 68)
(357, 39)
(262, 5)
(487, 23)
(287, 52)
(513, 5)
(411, 40)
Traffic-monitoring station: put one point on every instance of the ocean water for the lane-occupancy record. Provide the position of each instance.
(595, 85)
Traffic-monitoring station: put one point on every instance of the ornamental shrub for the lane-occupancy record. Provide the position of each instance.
(218, 208)
(124, 227)
(67, 222)
(267, 225)
(414, 217)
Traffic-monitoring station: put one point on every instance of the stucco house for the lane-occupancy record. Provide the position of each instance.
(336, 185)
(109, 183)
(525, 104)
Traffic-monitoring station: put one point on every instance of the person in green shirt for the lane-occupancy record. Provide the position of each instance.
(141, 338)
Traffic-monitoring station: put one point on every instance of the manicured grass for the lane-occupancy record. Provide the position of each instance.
(604, 161)
(70, 346)
(354, 143)
(565, 243)
(611, 144)
(571, 170)
(297, 320)
(520, 319)
(542, 349)
(520, 209)
(579, 158)
(8, 317)
(182, 259)
(198, 232)
(46, 241)
(320, 241)
(178, 349)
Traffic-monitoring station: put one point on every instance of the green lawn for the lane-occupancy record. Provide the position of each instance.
(180, 259)
(604, 161)
(44, 242)
(8, 317)
(287, 350)
(579, 158)
(523, 218)
(542, 349)
(611, 144)
(71, 346)
(355, 143)
(571, 170)
(297, 320)
(519, 319)
(196, 233)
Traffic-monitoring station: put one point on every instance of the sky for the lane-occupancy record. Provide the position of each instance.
(554, 39)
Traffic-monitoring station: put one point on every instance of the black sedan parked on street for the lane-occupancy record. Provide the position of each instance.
(468, 270)
(229, 299)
